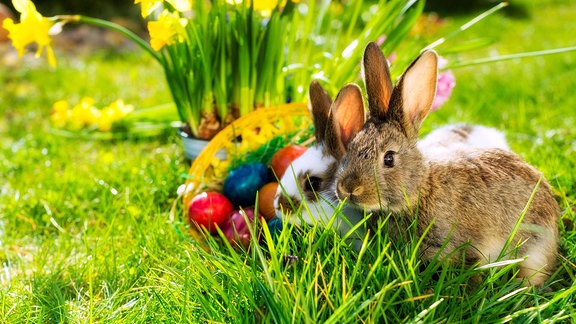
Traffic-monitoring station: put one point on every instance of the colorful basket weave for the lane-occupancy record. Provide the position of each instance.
(256, 128)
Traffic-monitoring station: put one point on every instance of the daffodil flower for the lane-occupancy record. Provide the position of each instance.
(147, 6)
(60, 113)
(84, 114)
(33, 28)
(105, 121)
(264, 6)
(181, 5)
(118, 109)
(113, 113)
(445, 85)
(168, 28)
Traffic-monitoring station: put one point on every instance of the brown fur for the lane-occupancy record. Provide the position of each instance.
(320, 103)
(345, 120)
(463, 131)
(377, 79)
(474, 199)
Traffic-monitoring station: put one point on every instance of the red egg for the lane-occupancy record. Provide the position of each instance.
(210, 210)
(236, 229)
(284, 157)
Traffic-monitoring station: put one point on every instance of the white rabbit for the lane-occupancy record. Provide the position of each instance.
(306, 190)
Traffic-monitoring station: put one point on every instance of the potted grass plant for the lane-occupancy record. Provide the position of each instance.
(224, 59)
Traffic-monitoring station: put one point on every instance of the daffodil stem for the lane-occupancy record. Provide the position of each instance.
(112, 26)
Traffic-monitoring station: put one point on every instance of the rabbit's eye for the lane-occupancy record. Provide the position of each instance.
(389, 159)
(313, 184)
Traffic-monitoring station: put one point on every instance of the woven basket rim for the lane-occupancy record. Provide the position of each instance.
(252, 119)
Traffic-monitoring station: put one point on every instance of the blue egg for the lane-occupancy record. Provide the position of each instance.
(243, 182)
(275, 227)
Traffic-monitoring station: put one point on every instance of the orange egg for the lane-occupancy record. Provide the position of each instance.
(282, 159)
(266, 196)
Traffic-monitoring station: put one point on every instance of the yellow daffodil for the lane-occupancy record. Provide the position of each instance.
(147, 6)
(60, 114)
(113, 113)
(105, 121)
(168, 28)
(84, 114)
(118, 109)
(264, 6)
(33, 28)
(181, 5)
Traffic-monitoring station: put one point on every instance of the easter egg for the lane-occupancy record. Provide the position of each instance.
(236, 229)
(275, 227)
(266, 196)
(282, 159)
(242, 183)
(210, 210)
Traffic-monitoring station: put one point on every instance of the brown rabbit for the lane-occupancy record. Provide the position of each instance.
(475, 198)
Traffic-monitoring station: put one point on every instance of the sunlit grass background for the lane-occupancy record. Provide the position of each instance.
(84, 224)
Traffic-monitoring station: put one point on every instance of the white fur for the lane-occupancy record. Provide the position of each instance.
(443, 144)
(311, 162)
(485, 137)
(314, 162)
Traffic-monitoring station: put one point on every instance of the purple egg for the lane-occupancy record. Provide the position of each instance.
(236, 230)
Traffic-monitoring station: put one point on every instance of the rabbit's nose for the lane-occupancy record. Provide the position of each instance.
(348, 189)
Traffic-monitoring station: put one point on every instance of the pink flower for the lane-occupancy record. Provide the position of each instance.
(446, 82)
(392, 55)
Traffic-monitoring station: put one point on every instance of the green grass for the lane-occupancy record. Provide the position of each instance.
(85, 234)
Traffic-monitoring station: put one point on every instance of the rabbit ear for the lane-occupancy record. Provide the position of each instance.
(320, 102)
(417, 88)
(377, 80)
(346, 118)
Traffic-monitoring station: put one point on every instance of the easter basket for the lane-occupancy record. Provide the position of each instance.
(253, 137)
